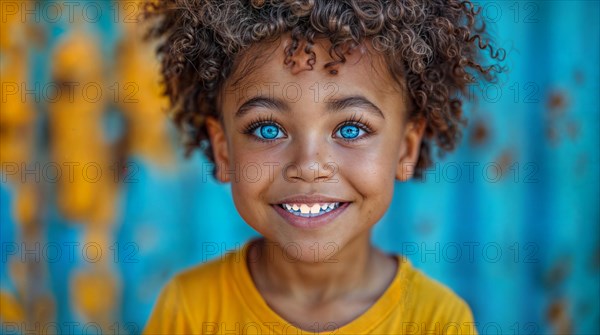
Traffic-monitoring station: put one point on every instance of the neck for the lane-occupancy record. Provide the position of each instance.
(315, 283)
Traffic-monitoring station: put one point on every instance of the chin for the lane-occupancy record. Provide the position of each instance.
(306, 249)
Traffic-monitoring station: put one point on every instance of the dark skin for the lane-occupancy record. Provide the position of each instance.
(316, 306)
(338, 273)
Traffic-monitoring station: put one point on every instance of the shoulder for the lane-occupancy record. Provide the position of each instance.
(209, 281)
(428, 301)
(191, 296)
(431, 292)
(208, 273)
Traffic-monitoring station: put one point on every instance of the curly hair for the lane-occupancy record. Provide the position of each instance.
(435, 45)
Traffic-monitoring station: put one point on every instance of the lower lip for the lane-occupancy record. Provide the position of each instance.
(311, 222)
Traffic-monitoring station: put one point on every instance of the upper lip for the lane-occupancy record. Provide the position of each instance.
(308, 199)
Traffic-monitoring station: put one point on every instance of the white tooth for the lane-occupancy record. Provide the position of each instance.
(288, 207)
(295, 207)
(324, 206)
(331, 205)
(315, 209)
(304, 209)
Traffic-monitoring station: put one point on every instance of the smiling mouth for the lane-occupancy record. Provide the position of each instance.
(310, 210)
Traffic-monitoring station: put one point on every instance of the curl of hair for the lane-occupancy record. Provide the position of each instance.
(434, 45)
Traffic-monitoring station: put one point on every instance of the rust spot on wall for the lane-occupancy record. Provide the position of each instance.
(558, 272)
(559, 317)
(505, 160)
(557, 103)
(480, 134)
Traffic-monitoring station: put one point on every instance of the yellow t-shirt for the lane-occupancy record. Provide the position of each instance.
(219, 297)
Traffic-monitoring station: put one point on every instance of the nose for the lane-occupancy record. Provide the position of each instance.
(311, 161)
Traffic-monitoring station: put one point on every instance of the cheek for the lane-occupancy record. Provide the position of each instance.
(248, 203)
(371, 173)
(250, 176)
(255, 169)
(371, 170)
(372, 176)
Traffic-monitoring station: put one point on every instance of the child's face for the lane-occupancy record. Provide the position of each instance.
(324, 155)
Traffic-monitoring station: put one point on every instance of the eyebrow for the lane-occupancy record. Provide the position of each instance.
(262, 102)
(357, 101)
(333, 105)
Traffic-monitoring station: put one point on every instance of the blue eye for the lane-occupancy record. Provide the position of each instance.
(267, 131)
(349, 131)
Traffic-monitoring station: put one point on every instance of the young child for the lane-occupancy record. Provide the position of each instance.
(312, 109)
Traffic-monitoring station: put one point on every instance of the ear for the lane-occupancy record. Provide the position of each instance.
(218, 140)
(410, 148)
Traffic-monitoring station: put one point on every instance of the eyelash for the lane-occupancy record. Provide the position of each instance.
(259, 121)
(352, 120)
(358, 122)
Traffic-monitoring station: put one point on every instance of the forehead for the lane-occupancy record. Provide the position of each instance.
(263, 66)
